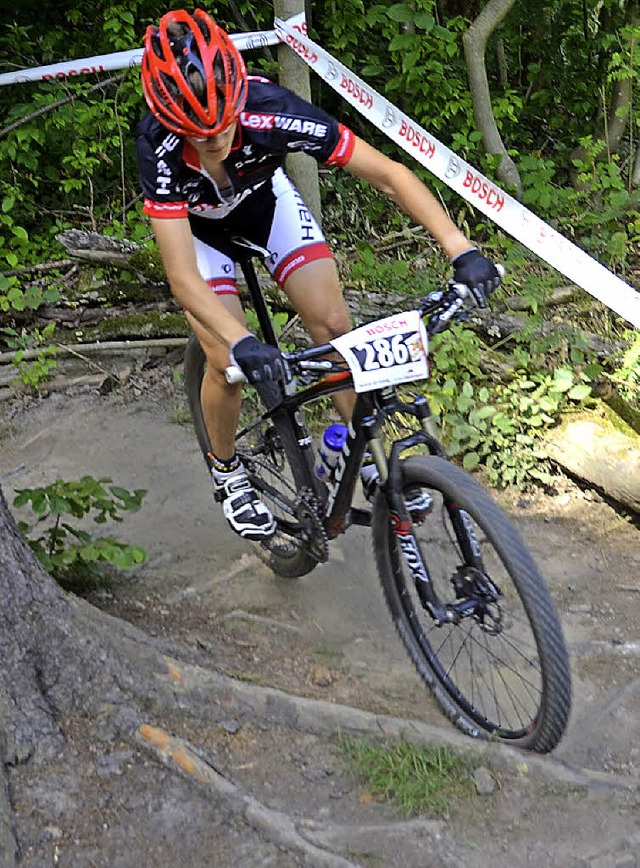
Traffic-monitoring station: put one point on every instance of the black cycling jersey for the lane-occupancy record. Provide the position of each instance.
(274, 122)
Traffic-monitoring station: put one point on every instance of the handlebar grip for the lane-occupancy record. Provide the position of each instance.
(233, 374)
(461, 290)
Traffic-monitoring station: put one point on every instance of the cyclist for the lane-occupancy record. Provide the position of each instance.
(210, 156)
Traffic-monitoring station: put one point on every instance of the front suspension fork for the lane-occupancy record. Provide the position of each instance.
(391, 481)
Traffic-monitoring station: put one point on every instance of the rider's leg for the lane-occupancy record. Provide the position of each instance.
(220, 402)
(314, 291)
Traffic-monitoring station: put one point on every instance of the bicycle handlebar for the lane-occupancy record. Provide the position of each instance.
(441, 306)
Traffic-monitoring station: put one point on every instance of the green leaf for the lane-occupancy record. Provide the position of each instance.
(579, 392)
(425, 21)
(404, 42)
(39, 503)
(21, 498)
(550, 405)
(562, 379)
(485, 412)
(400, 12)
(470, 460)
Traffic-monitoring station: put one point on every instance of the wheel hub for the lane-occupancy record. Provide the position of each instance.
(478, 598)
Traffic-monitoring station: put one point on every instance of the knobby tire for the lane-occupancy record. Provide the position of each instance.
(506, 676)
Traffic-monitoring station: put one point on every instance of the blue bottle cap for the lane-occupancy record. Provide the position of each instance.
(335, 436)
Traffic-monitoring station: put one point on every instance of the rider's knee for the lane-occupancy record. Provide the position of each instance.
(335, 321)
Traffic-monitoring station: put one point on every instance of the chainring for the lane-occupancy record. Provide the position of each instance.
(309, 515)
(306, 511)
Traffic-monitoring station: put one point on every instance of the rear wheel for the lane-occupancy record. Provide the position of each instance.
(499, 667)
(299, 542)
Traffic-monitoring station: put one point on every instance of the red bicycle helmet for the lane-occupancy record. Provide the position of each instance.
(193, 77)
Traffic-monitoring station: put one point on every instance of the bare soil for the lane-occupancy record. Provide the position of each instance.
(207, 598)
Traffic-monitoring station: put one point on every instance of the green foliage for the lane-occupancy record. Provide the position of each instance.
(34, 373)
(411, 57)
(416, 778)
(74, 164)
(627, 375)
(423, 70)
(70, 553)
(609, 230)
(562, 69)
(372, 273)
(279, 320)
(500, 428)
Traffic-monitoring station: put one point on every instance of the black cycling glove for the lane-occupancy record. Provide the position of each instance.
(478, 273)
(260, 363)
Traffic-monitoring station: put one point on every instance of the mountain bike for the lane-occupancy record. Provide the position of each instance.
(465, 595)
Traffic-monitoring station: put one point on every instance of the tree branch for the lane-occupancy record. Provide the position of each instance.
(54, 105)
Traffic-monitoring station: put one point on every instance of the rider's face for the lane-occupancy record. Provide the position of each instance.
(215, 148)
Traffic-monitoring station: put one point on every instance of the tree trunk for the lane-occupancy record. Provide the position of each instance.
(57, 653)
(615, 125)
(635, 177)
(475, 44)
(293, 73)
(617, 118)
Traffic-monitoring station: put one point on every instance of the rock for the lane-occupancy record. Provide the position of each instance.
(484, 781)
(322, 676)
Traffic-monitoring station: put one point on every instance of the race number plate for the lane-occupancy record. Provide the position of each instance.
(385, 352)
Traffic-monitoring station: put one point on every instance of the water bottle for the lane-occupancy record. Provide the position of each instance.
(333, 440)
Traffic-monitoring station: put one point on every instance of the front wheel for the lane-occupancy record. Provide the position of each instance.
(498, 666)
(263, 447)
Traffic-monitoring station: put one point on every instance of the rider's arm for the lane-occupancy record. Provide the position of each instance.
(409, 193)
(175, 243)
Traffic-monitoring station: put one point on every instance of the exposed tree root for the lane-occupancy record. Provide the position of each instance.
(277, 826)
(192, 686)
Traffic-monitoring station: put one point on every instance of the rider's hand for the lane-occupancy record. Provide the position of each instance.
(259, 362)
(478, 273)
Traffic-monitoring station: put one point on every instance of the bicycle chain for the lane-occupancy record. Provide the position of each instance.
(306, 509)
(308, 514)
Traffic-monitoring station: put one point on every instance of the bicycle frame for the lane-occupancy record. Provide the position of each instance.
(363, 433)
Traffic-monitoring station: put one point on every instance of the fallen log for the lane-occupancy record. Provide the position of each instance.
(495, 326)
(592, 449)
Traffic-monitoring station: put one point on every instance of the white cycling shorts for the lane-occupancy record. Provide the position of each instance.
(273, 216)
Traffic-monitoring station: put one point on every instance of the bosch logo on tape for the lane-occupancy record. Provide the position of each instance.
(482, 193)
(417, 140)
(482, 189)
(358, 93)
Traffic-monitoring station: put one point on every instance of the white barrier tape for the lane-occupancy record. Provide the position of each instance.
(123, 59)
(482, 193)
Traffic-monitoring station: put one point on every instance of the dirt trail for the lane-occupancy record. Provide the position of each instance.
(327, 636)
